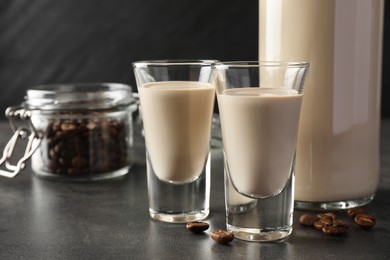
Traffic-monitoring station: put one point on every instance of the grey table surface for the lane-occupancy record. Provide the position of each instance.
(42, 219)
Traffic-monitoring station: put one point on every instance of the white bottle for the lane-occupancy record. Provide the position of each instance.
(338, 144)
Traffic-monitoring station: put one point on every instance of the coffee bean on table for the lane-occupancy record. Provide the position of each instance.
(339, 222)
(353, 212)
(365, 221)
(319, 224)
(197, 227)
(328, 215)
(222, 236)
(308, 219)
(338, 227)
(329, 224)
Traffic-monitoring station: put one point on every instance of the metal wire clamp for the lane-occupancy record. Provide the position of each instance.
(20, 133)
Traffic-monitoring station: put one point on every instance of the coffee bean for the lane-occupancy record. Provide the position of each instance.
(222, 236)
(56, 126)
(322, 222)
(72, 172)
(113, 131)
(59, 135)
(58, 147)
(365, 221)
(65, 154)
(328, 215)
(318, 225)
(91, 125)
(197, 227)
(79, 162)
(60, 171)
(308, 219)
(63, 161)
(352, 213)
(53, 155)
(335, 229)
(339, 222)
(68, 126)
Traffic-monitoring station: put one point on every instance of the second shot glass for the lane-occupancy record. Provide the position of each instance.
(259, 105)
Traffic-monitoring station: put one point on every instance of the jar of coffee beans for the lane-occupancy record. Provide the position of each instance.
(85, 131)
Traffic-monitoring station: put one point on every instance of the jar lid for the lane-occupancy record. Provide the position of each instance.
(85, 96)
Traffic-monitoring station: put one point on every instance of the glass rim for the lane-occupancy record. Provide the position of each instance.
(89, 96)
(78, 87)
(173, 62)
(255, 64)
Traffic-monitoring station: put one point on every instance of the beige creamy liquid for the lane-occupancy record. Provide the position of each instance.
(235, 198)
(338, 144)
(177, 120)
(259, 131)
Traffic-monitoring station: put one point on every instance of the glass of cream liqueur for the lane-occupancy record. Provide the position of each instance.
(177, 103)
(259, 105)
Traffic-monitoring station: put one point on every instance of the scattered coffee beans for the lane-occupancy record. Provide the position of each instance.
(329, 224)
(365, 221)
(197, 227)
(222, 236)
(85, 146)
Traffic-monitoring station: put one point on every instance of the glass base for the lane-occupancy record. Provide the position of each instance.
(260, 235)
(238, 209)
(92, 177)
(179, 217)
(333, 205)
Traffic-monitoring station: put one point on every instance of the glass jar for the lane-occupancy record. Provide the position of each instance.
(85, 130)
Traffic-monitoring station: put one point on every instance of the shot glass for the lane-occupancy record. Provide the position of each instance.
(177, 102)
(259, 105)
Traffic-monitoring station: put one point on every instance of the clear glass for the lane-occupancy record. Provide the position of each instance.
(177, 102)
(259, 105)
(87, 131)
(338, 145)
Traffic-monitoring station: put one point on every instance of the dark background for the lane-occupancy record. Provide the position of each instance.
(62, 41)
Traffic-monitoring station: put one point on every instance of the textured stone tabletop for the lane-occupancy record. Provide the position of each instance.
(41, 219)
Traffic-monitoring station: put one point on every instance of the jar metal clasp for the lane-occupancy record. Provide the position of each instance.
(23, 132)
